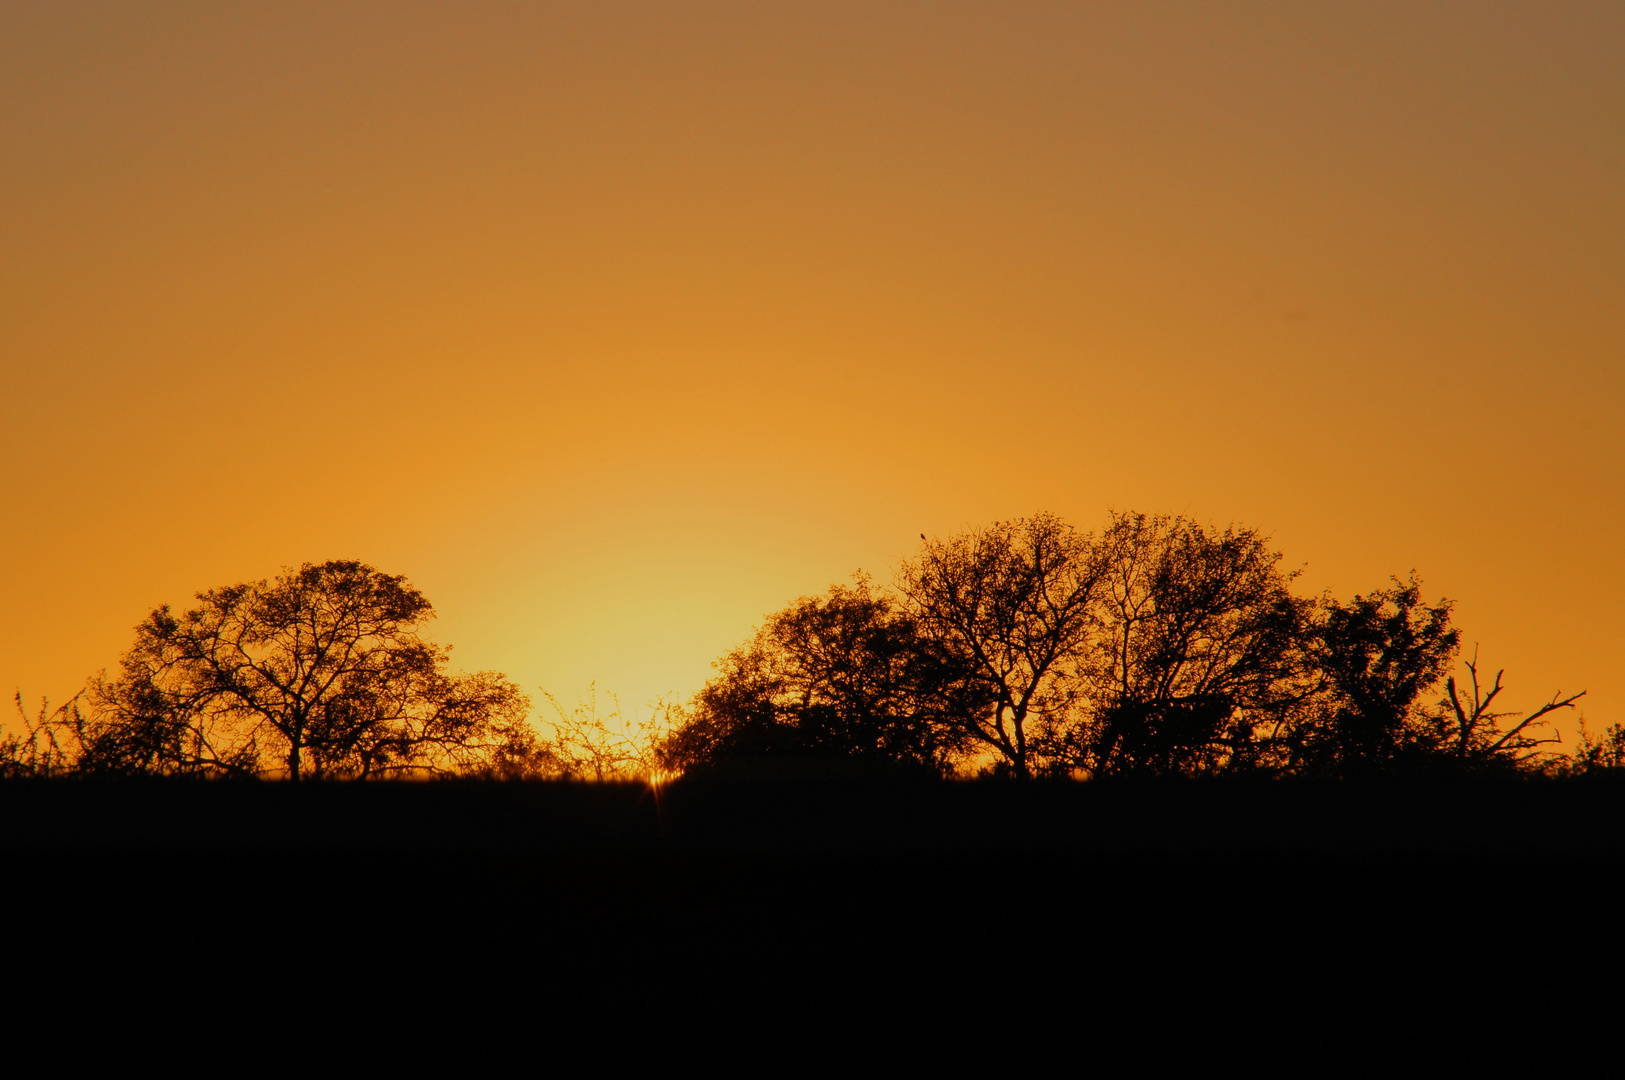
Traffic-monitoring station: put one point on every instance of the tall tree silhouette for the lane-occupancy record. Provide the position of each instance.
(842, 678)
(1012, 604)
(322, 670)
(1197, 658)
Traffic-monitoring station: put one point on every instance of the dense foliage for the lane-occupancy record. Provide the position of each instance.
(1160, 648)
(843, 678)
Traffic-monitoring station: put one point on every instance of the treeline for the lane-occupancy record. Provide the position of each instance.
(1158, 648)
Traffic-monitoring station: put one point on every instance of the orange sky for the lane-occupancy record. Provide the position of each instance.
(617, 326)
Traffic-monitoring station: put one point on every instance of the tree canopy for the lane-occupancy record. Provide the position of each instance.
(321, 672)
(845, 677)
(1377, 655)
(1012, 606)
(1162, 647)
(1196, 660)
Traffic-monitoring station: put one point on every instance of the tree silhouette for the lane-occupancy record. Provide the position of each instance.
(1469, 731)
(1162, 648)
(1197, 660)
(1598, 752)
(322, 671)
(1378, 656)
(843, 678)
(1012, 605)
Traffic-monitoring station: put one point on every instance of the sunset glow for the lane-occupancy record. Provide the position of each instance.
(615, 327)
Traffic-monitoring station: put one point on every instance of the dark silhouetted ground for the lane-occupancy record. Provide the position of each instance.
(704, 899)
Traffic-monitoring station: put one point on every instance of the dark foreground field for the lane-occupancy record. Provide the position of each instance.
(857, 820)
(971, 896)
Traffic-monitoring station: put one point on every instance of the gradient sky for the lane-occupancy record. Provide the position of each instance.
(618, 326)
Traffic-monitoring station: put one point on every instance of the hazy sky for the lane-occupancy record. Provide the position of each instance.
(618, 326)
